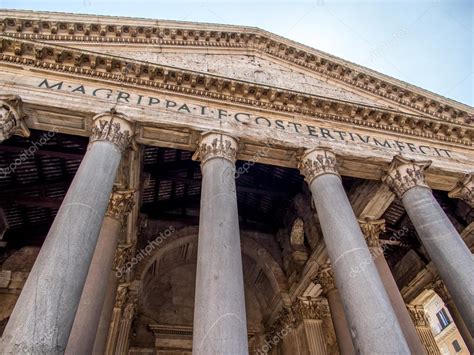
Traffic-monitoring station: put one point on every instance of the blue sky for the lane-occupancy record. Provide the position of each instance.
(428, 43)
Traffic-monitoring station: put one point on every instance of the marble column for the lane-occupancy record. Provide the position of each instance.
(309, 327)
(122, 255)
(373, 323)
(371, 228)
(325, 278)
(447, 250)
(220, 325)
(129, 312)
(464, 190)
(423, 328)
(44, 313)
(12, 118)
(439, 287)
(84, 330)
(121, 298)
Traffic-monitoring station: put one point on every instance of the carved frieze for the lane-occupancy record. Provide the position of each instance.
(12, 117)
(216, 145)
(112, 127)
(120, 204)
(405, 174)
(464, 190)
(316, 162)
(371, 229)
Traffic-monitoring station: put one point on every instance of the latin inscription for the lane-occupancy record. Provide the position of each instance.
(246, 118)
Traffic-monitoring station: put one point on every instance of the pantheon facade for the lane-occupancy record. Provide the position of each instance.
(185, 188)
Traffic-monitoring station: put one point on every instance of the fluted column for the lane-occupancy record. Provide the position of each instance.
(122, 255)
(121, 297)
(220, 325)
(12, 118)
(423, 328)
(373, 323)
(84, 330)
(439, 287)
(44, 313)
(371, 229)
(464, 190)
(447, 250)
(325, 278)
(309, 327)
(128, 315)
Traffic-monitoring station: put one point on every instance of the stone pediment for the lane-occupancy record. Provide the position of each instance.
(252, 68)
(237, 52)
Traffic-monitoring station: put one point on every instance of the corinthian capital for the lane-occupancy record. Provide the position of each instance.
(371, 229)
(12, 117)
(308, 309)
(405, 174)
(216, 145)
(120, 204)
(325, 278)
(464, 190)
(113, 127)
(418, 316)
(316, 162)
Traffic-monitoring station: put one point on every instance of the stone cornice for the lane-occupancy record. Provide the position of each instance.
(67, 27)
(88, 64)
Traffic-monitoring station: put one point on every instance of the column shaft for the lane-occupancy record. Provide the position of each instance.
(341, 328)
(84, 330)
(398, 304)
(100, 340)
(372, 321)
(446, 248)
(220, 325)
(44, 313)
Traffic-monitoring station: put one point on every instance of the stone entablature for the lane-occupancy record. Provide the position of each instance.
(76, 28)
(58, 59)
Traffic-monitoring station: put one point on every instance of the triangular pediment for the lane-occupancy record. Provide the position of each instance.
(236, 52)
(252, 68)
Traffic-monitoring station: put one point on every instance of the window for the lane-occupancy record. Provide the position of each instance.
(456, 346)
(443, 318)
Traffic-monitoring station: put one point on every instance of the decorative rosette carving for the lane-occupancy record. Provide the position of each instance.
(216, 145)
(12, 117)
(405, 174)
(112, 127)
(120, 204)
(371, 229)
(325, 278)
(316, 162)
(464, 190)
